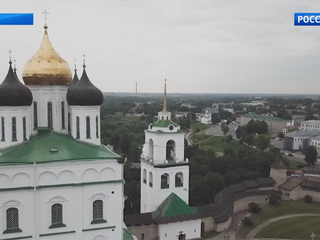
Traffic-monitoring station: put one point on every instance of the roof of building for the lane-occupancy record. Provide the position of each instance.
(162, 132)
(54, 147)
(84, 93)
(291, 183)
(301, 133)
(46, 67)
(278, 164)
(173, 206)
(127, 235)
(312, 121)
(311, 183)
(13, 92)
(164, 123)
(75, 78)
(263, 117)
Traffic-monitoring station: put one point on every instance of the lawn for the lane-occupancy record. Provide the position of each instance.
(292, 228)
(219, 143)
(200, 135)
(201, 126)
(293, 165)
(284, 208)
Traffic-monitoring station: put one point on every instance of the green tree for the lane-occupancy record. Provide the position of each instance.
(311, 155)
(262, 142)
(224, 128)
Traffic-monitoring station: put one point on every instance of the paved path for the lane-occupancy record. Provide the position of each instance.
(272, 220)
(187, 136)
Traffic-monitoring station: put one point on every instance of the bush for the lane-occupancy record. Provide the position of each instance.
(307, 198)
(301, 165)
(254, 208)
(274, 199)
(247, 222)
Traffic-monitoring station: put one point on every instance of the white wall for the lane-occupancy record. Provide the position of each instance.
(55, 94)
(18, 112)
(82, 112)
(79, 191)
(171, 231)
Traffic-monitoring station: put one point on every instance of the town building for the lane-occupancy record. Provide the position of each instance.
(206, 118)
(310, 125)
(57, 181)
(298, 140)
(275, 124)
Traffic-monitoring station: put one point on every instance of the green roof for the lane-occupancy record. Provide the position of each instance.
(162, 132)
(54, 147)
(173, 206)
(127, 235)
(263, 117)
(164, 123)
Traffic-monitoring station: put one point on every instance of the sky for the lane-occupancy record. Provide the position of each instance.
(198, 46)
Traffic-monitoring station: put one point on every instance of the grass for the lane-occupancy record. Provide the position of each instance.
(284, 208)
(201, 126)
(200, 135)
(293, 165)
(218, 144)
(292, 228)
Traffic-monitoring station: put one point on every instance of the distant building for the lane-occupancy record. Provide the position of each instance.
(206, 119)
(187, 105)
(275, 124)
(298, 140)
(310, 125)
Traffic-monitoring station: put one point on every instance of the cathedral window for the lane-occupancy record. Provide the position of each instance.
(12, 218)
(164, 181)
(78, 127)
(97, 212)
(88, 126)
(144, 176)
(63, 116)
(150, 179)
(50, 124)
(170, 150)
(179, 179)
(97, 127)
(14, 129)
(24, 128)
(2, 130)
(56, 216)
(35, 115)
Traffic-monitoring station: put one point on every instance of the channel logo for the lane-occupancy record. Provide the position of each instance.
(307, 19)
(16, 18)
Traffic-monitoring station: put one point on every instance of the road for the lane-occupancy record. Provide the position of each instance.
(187, 136)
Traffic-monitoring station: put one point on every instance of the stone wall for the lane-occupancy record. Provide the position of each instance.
(150, 231)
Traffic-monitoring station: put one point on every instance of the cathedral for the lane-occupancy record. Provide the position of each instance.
(57, 181)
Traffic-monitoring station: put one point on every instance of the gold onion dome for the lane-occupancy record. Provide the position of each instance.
(46, 67)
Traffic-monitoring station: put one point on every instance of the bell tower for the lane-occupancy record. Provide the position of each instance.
(163, 167)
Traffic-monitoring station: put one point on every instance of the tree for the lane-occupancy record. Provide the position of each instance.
(274, 199)
(307, 198)
(280, 135)
(254, 208)
(215, 119)
(262, 142)
(224, 128)
(249, 139)
(311, 155)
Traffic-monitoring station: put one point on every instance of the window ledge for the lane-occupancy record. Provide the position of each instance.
(12, 230)
(57, 225)
(98, 221)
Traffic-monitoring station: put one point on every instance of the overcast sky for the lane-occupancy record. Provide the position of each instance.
(199, 46)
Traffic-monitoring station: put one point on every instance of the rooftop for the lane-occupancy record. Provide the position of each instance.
(301, 133)
(263, 117)
(164, 123)
(312, 121)
(53, 147)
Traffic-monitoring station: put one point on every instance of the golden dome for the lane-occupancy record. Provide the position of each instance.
(46, 67)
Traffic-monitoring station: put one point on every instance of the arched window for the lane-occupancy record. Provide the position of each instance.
(97, 127)
(150, 179)
(97, 210)
(88, 126)
(50, 123)
(164, 181)
(12, 218)
(24, 128)
(3, 137)
(78, 127)
(170, 150)
(35, 115)
(14, 129)
(150, 148)
(63, 121)
(179, 179)
(56, 216)
(144, 175)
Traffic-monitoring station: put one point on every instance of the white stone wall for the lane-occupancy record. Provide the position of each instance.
(18, 112)
(171, 231)
(307, 125)
(152, 197)
(83, 112)
(55, 94)
(33, 189)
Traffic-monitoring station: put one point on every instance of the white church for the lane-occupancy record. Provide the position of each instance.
(57, 181)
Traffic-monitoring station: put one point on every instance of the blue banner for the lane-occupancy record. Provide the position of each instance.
(307, 19)
(16, 18)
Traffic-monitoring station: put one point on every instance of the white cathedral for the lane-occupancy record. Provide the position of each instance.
(57, 181)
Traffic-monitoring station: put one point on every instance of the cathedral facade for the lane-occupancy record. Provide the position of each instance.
(57, 181)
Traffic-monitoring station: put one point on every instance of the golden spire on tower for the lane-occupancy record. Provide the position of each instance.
(165, 97)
